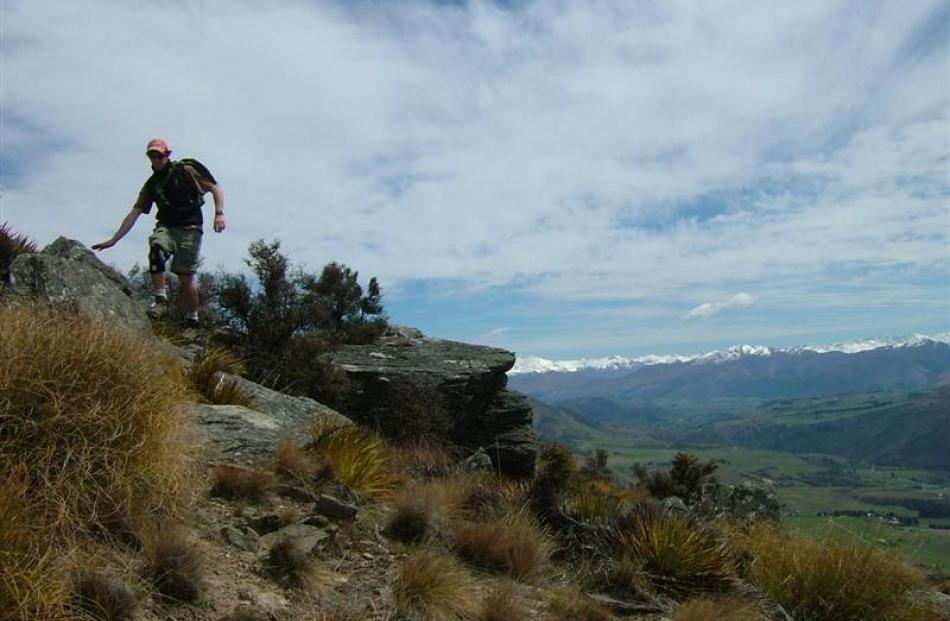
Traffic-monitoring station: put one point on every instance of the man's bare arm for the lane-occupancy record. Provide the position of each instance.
(124, 228)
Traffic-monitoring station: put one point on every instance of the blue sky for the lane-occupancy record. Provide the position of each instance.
(561, 179)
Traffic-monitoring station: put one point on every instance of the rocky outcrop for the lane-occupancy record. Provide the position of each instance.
(66, 273)
(249, 436)
(408, 381)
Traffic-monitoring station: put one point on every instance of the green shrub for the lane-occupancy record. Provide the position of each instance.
(684, 480)
(556, 476)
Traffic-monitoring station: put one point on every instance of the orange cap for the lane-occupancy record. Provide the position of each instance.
(157, 144)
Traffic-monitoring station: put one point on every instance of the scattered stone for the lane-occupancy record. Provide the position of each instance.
(479, 461)
(245, 539)
(305, 536)
(317, 520)
(266, 523)
(674, 503)
(334, 508)
(270, 603)
(295, 492)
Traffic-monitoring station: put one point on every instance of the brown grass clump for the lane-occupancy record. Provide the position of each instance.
(33, 584)
(722, 609)
(515, 544)
(236, 483)
(358, 459)
(595, 501)
(503, 603)
(292, 461)
(422, 511)
(673, 553)
(93, 416)
(434, 587)
(174, 563)
(830, 581)
(206, 375)
(289, 564)
(104, 598)
(423, 458)
(572, 605)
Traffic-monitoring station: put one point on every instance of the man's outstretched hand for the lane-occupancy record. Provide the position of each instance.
(103, 245)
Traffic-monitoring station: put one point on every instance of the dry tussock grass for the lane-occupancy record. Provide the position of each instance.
(174, 562)
(33, 577)
(237, 483)
(422, 458)
(424, 510)
(206, 374)
(828, 580)
(293, 461)
(288, 563)
(721, 609)
(676, 555)
(570, 604)
(503, 603)
(434, 587)
(357, 459)
(93, 416)
(104, 598)
(515, 544)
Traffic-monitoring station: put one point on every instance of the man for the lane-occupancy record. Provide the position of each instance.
(178, 189)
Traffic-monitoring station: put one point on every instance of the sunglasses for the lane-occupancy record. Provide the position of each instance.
(155, 155)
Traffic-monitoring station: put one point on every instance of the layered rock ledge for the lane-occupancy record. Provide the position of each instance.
(395, 378)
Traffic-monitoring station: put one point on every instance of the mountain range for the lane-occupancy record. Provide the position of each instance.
(744, 372)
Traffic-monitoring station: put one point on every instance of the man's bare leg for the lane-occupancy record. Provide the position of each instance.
(189, 296)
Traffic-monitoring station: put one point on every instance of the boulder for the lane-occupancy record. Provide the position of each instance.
(66, 273)
(407, 381)
(243, 435)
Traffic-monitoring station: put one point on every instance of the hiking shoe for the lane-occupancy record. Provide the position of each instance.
(157, 307)
(191, 324)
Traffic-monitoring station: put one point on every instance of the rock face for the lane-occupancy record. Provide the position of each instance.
(409, 381)
(248, 436)
(68, 273)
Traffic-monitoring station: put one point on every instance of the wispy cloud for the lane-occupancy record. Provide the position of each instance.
(738, 301)
(553, 155)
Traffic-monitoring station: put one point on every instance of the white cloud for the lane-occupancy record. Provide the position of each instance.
(650, 153)
(736, 302)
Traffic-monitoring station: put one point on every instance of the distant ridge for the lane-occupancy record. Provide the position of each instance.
(526, 364)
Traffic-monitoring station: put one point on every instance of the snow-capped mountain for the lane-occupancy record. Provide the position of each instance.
(535, 364)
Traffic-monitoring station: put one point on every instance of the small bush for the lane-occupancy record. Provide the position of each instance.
(556, 475)
(434, 587)
(722, 609)
(684, 480)
(357, 459)
(675, 554)
(236, 483)
(503, 603)
(830, 581)
(11, 245)
(174, 563)
(514, 544)
(289, 563)
(104, 598)
(206, 376)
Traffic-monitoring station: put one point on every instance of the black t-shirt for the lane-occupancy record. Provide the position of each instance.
(178, 190)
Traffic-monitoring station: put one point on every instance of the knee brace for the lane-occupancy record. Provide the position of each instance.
(156, 259)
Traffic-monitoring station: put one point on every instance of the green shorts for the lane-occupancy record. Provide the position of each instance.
(183, 244)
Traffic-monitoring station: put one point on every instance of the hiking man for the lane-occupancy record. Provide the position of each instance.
(178, 189)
